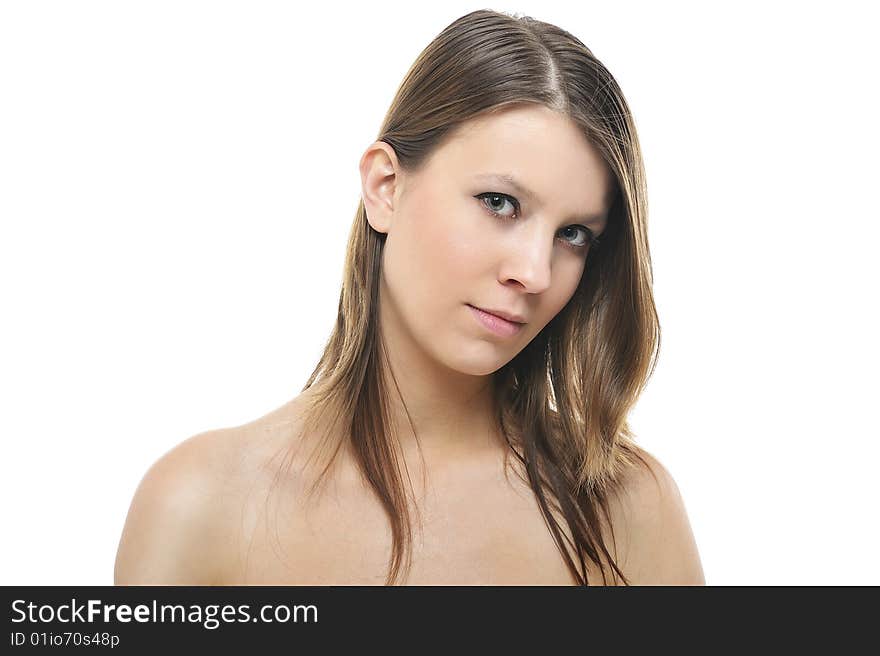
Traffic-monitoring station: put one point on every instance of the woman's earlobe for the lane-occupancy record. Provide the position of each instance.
(380, 225)
(378, 218)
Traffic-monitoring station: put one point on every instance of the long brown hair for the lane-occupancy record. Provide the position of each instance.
(562, 402)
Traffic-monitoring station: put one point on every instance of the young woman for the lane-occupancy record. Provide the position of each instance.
(467, 422)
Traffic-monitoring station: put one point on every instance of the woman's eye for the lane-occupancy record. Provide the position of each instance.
(584, 241)
(495, 202)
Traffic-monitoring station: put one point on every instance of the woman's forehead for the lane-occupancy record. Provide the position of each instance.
(539, 153)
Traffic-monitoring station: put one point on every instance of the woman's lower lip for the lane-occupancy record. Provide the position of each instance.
(496, 324)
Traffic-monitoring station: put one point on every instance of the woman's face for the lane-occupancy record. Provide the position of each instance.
(446, 252)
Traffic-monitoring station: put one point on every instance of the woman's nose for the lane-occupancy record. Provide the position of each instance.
(528, 259)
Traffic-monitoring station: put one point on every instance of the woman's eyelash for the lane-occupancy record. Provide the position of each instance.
(592, 240)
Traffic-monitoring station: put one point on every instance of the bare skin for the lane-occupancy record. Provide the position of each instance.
(207, 514)
(477, 527)
(204, 512)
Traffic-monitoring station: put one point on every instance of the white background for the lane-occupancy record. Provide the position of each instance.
(177, 182)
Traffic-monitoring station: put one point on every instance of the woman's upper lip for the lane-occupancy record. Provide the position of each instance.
(510, 316)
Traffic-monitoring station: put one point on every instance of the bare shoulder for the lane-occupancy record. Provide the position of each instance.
(172, 533)
(655, 542)
(184, 523)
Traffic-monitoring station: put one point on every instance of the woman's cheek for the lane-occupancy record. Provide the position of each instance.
(452, 251)
(470, 243)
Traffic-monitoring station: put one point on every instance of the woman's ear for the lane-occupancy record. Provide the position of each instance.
(379, 180)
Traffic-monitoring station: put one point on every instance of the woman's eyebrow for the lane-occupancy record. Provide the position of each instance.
(521, 189)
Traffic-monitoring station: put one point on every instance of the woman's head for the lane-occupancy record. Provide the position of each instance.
(500, 216)
(494, 94)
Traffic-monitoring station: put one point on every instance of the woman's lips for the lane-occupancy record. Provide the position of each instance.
(494, 323)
